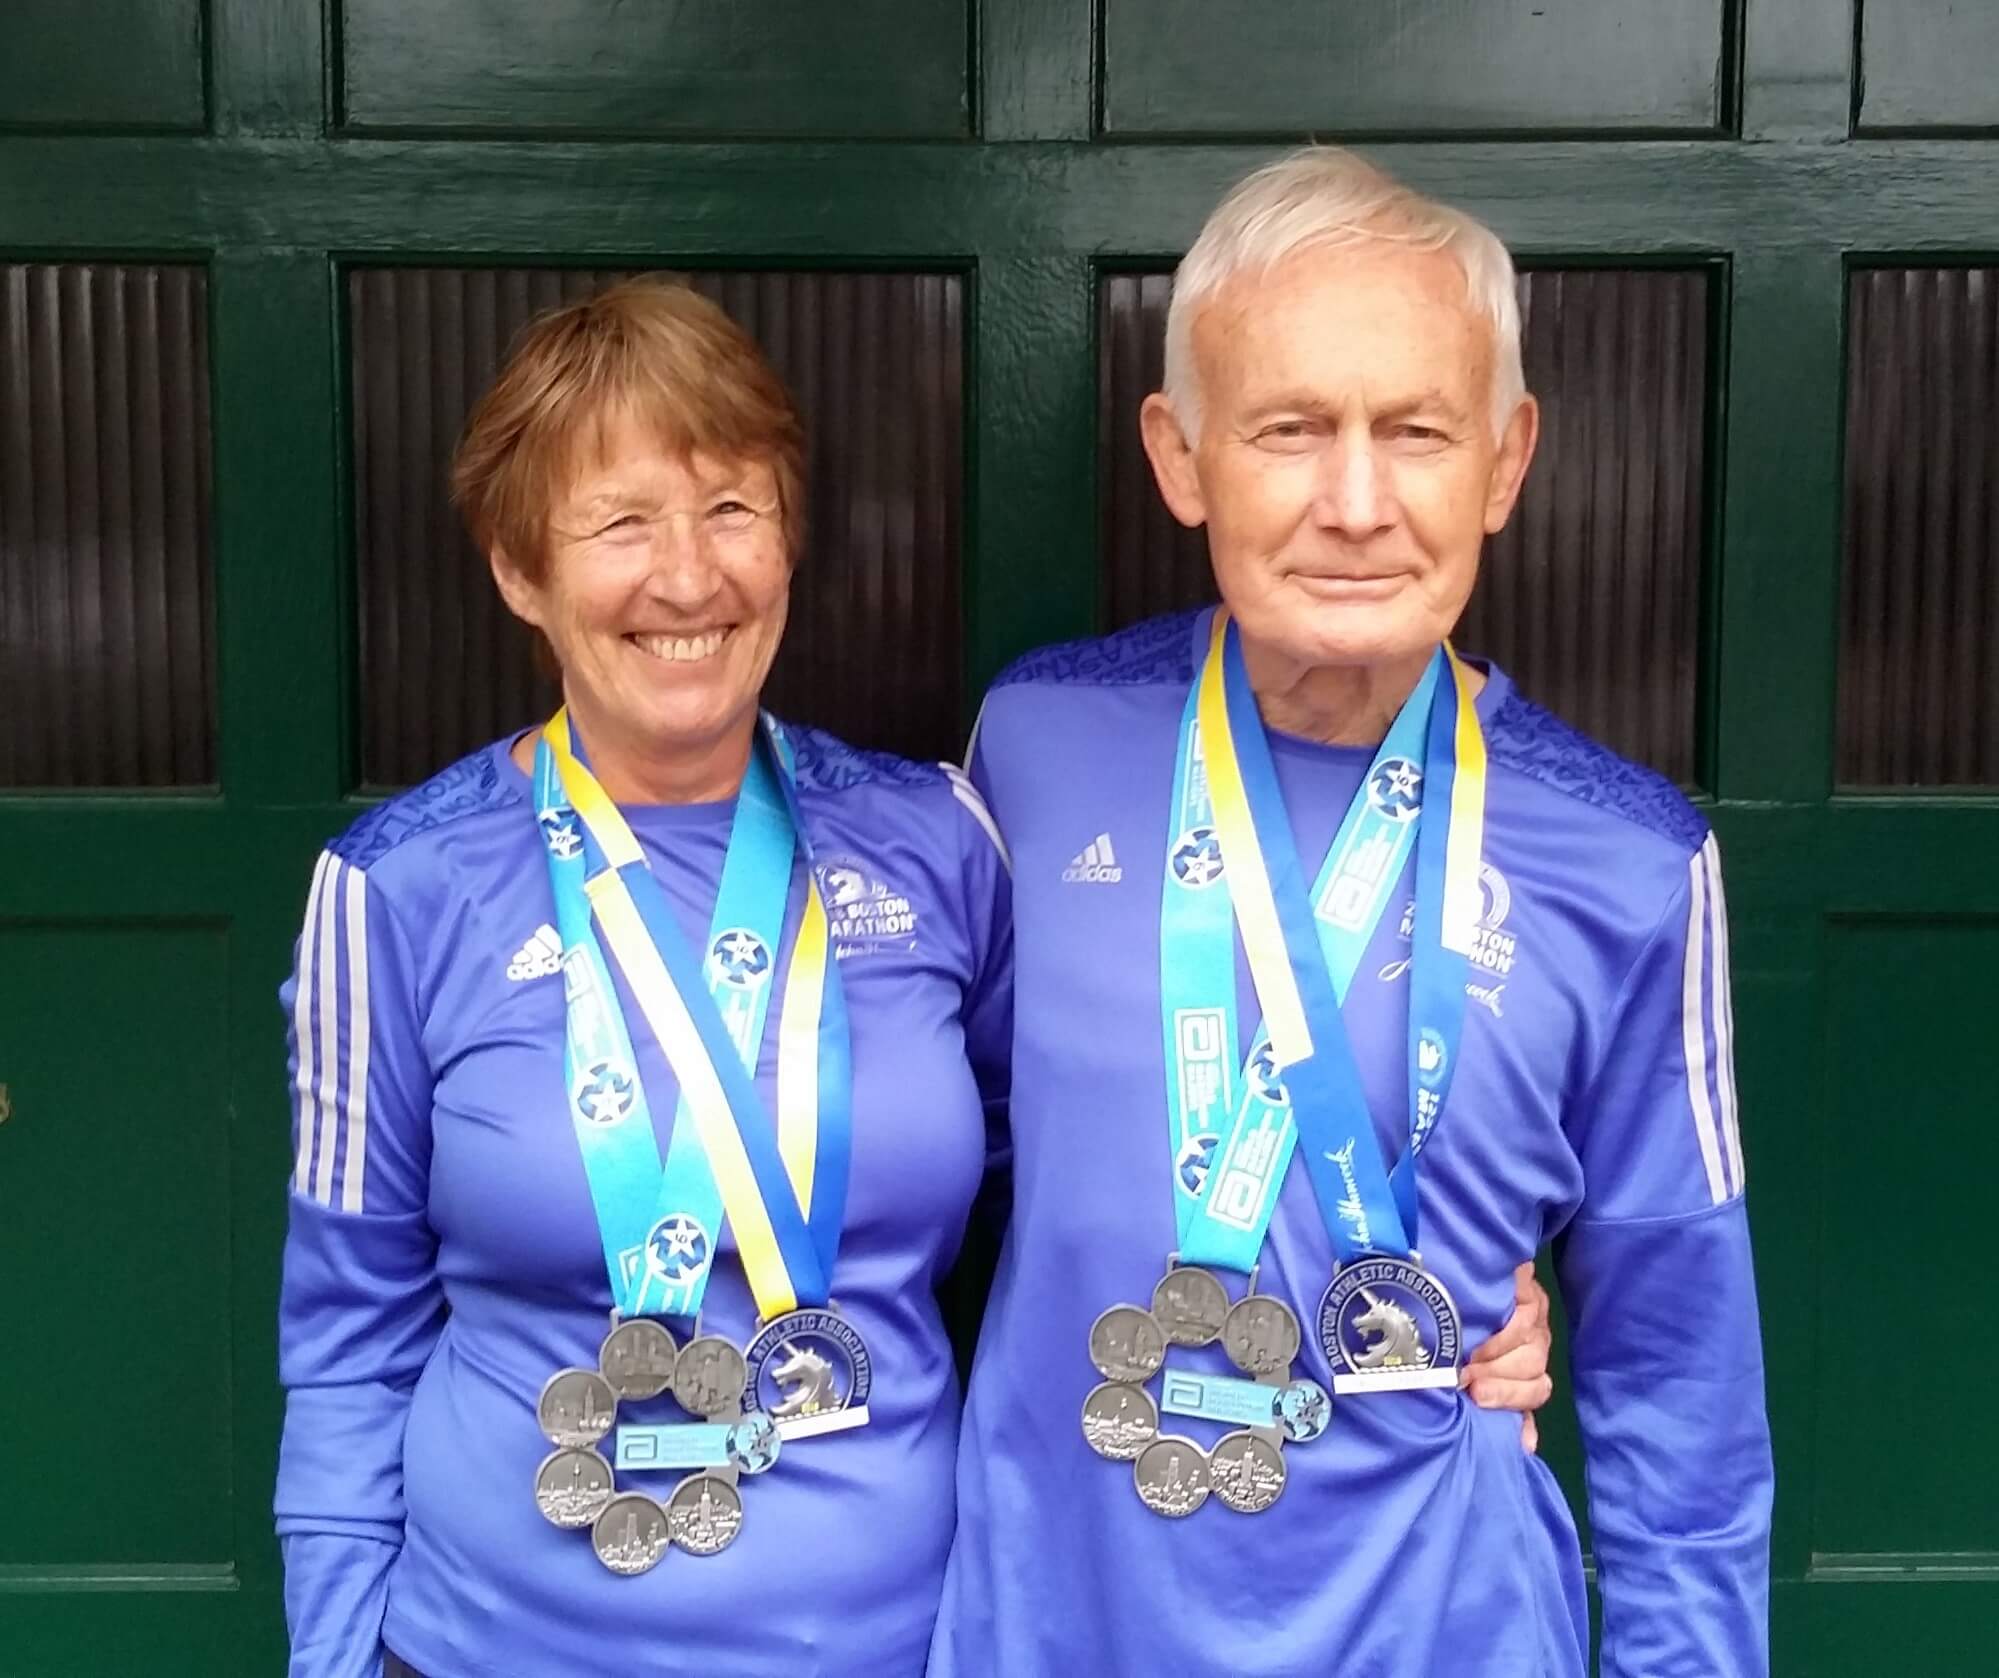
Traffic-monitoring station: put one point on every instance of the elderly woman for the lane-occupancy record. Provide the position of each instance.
(609, 1330)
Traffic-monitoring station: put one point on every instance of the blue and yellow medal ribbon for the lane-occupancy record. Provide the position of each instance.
(1365, 1206)
(782, 1188)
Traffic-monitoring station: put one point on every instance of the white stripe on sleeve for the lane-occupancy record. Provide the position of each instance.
(354, 1168)
(327, 995)
(968, 795)
(1693, 1029)
(307, 1098)
(1723, 1004)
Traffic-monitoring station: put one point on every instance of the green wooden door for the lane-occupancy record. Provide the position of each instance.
(196, 197)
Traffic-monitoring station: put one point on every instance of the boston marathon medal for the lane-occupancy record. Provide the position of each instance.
(1388, 1325)
(810, 1372)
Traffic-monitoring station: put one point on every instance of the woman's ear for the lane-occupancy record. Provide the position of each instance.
(523, 597)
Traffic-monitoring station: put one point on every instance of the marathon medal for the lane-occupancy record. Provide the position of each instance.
(779, 1182)
(1388, 1325)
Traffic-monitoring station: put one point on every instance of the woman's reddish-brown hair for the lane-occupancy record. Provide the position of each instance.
(648, 348)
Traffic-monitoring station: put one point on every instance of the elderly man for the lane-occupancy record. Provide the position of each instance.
(1347, 979)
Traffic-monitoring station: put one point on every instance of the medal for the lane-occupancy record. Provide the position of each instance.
(1246, 1471)
(704, 1515)
(576, 1486)
(1172, 1476)
(1190, 1305)
(637, 1359)
(778, 1181)
(630, 1534)
(1119, 1420)
(709, 1377)
(1388, 1325)
(1261, 1334)
(576, 1407)
(1126, 1344)
(572, 1486)
(810, 1371)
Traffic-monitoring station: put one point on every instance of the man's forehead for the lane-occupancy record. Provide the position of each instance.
(1372, 305)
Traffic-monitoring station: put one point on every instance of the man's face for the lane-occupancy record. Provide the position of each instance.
(1347, 469)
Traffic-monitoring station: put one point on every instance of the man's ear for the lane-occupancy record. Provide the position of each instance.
(523, 598)
(1509, 466)
(1172, 457)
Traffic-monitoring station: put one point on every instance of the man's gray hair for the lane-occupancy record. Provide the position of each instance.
(1328, 198)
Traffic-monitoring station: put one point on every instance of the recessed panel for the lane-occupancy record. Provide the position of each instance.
(107, 662)
(1929, 64)
(1590, 598)
(891, 68)
(120, 1391)
(101, 64)
(874, 644)
(1908, 1159)
(1919, 660)
(1419, 66)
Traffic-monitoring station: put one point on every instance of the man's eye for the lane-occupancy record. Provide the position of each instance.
(624, 523)
(1285, 431)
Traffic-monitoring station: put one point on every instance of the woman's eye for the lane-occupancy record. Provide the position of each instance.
(624, 524)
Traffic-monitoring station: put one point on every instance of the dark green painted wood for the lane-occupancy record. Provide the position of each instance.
(125, 1151)
(1797, 70)
(1036, 61)
(1779, 573)
(269, 66)
(1436, 66)
(1910, 1157)
(1928, 64)
(786, 67)
(284, 636)
(938, 203)
(102, 64)
(1031, 563)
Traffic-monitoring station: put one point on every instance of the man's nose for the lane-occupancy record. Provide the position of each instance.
(1356, 494)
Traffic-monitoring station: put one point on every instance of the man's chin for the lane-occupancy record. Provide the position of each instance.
(1346, 636)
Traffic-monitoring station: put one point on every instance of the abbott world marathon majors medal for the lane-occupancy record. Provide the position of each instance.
(779, 1184)
(576, 1485)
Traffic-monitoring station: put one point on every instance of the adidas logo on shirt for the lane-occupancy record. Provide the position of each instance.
(539, 958)
(1095, 865)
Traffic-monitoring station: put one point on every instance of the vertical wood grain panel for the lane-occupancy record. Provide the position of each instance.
(107, 655)
(1919, 673)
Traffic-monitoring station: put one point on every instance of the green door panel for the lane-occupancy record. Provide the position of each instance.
(1910, 1154)
(1928, 64)
(1504, 66)
(117, 1275)
(165, 1625)
(102, 64)
(863, 67)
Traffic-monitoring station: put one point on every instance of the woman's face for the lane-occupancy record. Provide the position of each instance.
(664, 599)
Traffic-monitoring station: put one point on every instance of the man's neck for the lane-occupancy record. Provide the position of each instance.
(702, 774)
(1334, 704)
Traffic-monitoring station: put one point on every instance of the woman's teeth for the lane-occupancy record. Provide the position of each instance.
(682, 649)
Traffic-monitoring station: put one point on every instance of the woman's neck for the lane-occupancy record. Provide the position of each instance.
(694, 773)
